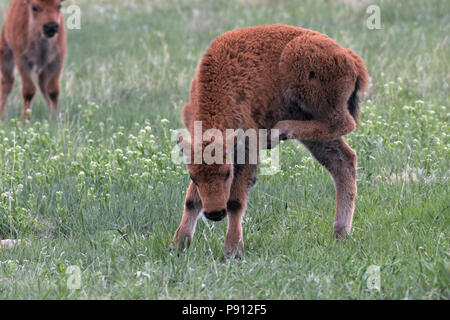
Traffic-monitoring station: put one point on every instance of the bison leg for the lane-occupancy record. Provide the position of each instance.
(53, 93)
(28, 87)
(314, 130)
(236, 206)
(7, 75)
(340, 160)
(49, 84)
(43, 83)
(192, 209)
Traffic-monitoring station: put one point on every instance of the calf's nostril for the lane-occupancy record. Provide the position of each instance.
(51, 28)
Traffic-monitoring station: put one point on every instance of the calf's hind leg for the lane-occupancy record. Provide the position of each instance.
(340, 160)
(314, 130)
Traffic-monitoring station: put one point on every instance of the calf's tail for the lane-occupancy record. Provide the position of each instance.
(361, 86)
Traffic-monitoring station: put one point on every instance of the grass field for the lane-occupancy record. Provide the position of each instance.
(96, 188)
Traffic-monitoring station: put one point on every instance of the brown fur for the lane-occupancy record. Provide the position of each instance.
(24, 44)
(296, 80)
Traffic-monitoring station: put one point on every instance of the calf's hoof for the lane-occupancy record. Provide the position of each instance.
(285, 131)
(235, 252)
(231, 255)
(181, 244)
(340, 232)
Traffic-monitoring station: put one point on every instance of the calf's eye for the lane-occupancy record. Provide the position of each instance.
(227, 175)
(35, 9)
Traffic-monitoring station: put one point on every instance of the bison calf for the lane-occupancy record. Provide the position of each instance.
(271, 77)
(33, 36)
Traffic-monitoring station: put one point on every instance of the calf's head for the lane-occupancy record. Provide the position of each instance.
(212, 179)
(45, 15)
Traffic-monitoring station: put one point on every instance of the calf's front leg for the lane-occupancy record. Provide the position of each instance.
(28, 87)
(6, 75)
(49, 84)
(236, 206)
(192, 208)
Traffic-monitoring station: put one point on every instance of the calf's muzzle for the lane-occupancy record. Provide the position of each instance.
(216, 215)
(50, 29)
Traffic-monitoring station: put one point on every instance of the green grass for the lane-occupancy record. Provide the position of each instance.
(97, 189)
